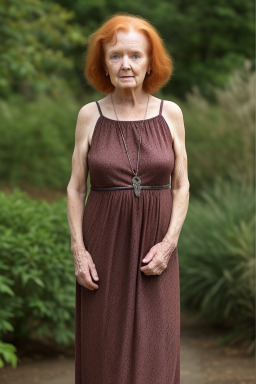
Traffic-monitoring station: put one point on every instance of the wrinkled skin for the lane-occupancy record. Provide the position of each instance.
(157, 258)
(83, 263)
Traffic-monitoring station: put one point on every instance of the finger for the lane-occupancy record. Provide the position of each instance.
(94, 271)
(147, 273)
(83, 283)
(88, 280)
(147, 270)
(159, 271)
(149, 256)
(152, 268)
(154, 264)
(154, 272)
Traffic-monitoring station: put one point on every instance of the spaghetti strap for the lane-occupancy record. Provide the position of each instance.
(98, 105)
(161, 107)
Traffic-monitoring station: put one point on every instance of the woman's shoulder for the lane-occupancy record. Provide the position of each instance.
(173, 115)
(169, 106)
(88, 110)
(172, 112)
(91, 110)
(86, 121)
(172, 107)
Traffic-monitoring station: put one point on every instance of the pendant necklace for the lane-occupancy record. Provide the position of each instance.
(136, 181)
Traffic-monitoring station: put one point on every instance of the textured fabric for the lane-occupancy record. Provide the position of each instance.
(128, 330)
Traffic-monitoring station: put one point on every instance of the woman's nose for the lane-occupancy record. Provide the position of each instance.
(125, 63)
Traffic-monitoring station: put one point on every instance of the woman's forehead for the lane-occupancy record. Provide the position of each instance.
(127, 39)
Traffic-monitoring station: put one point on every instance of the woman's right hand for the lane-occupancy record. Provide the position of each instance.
(85, 268)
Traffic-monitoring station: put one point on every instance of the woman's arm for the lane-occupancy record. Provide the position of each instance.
(159, 255)
(76, 194)
(77, 186)
(179, 178)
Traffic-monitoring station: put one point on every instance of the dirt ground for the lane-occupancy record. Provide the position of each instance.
(203, 361)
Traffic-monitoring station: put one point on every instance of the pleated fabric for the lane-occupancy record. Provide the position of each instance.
(128, 330)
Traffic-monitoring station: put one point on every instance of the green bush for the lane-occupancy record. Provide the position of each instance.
(37, 141)
(217, 259)
(37, 283)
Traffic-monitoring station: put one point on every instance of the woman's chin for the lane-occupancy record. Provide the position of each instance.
(127, 85)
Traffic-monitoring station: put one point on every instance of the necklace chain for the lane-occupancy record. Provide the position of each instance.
(135, 173)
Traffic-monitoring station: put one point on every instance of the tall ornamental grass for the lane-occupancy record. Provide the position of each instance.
(220, 135)
(217, 264)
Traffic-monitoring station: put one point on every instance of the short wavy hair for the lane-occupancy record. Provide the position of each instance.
(161, 61)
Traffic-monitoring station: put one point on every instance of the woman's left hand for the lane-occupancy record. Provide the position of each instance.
(158, 257)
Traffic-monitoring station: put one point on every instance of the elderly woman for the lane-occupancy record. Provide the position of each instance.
(124, 240)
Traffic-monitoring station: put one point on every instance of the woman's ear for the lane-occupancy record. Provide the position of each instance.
(149, 70)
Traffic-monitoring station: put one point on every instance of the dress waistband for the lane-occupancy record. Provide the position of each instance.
(131, 187)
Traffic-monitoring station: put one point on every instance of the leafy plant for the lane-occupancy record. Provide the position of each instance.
(37, 284)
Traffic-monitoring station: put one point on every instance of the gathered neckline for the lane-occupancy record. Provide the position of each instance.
(131, 121)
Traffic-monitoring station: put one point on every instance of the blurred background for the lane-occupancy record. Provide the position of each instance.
(42, 88)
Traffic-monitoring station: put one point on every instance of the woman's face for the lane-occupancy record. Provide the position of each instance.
(127, 60)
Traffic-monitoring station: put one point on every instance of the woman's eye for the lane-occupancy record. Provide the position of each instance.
(137, 56)
(114, 56)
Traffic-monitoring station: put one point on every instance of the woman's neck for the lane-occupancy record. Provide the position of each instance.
(129, 97)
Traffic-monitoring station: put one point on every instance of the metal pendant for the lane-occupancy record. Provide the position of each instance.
(136, 181)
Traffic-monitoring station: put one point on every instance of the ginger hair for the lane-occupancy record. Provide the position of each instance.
(161, 61)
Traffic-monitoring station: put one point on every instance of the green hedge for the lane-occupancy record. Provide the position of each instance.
(37, 141)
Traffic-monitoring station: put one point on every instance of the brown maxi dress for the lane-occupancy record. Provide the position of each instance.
(128, 330)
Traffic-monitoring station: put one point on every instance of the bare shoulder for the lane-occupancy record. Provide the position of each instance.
(174, 118)
(86, 121)
(172, 108)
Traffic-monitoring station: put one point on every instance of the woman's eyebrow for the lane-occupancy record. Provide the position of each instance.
(121, 49)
